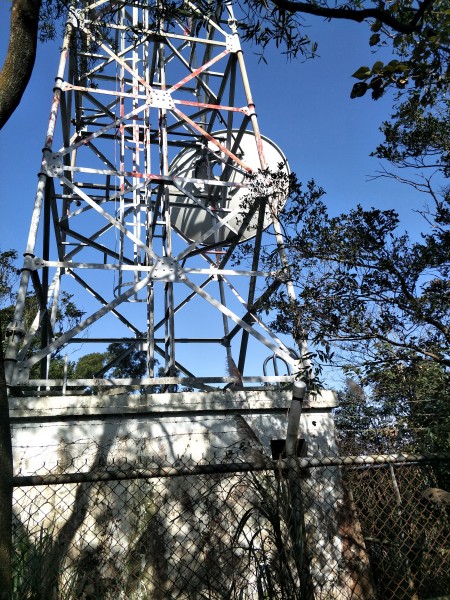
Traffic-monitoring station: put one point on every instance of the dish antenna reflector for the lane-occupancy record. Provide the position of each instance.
(199, 205)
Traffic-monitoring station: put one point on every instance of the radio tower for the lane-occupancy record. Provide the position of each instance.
(150, 179)
(154, 171)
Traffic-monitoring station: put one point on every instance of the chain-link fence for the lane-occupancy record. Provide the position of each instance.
(327, 528)
(404, 515)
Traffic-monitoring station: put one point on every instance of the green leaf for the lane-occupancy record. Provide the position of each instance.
(376, 26)
(374, 39)
(358, 90)
(362, 73)
(392, 65)
(377, 67)
(377, 83)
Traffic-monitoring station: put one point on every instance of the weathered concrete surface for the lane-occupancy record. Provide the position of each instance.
(70, 429)
(80, 433)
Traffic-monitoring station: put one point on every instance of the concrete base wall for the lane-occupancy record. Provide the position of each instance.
(55, 432)
(79, 433)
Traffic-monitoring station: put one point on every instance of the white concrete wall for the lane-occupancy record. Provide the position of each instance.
(75, 429)
(78, 433)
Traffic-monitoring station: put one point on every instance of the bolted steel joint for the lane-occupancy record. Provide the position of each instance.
(160, 99)
(15, 329)
(233, 43)
(167, 269)
(36, 263)
(52, 164)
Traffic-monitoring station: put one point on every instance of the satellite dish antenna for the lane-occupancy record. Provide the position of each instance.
(198, 205)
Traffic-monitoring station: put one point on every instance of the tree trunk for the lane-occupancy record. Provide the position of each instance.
(19, 61)
(6, 473)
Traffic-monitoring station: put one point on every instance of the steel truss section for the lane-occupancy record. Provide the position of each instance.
(142, 205)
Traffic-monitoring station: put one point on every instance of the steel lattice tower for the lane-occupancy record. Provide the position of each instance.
(139, 206)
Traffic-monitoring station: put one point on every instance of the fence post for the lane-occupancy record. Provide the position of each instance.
(403, 525)
(6, 471)
(298, 395)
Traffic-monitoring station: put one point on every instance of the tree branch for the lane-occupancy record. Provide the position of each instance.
(351, 337)
(384, 16)
(19, 61)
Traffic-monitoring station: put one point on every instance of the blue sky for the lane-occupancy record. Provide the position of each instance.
(304, 107)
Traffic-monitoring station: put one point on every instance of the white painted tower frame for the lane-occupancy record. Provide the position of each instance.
(139, 206)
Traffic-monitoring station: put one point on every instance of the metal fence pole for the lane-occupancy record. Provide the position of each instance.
(403, 524)
(297, 516)
(6, 474)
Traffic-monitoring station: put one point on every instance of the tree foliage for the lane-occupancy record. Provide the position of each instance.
(403, 408)
(8, 275)
(417, 138)
(416, 32)
(399, 409)
(366, 293)
(421, 48)
(89, 364)
(363, 289)
(68, 314)
(131, 361)
(416, 395)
